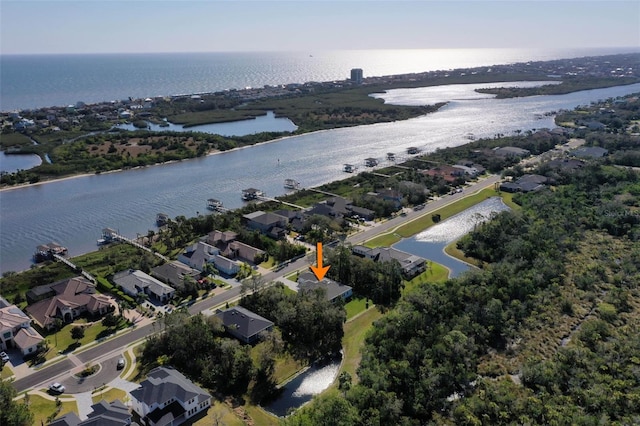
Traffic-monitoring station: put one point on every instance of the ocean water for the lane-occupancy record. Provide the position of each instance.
(34, 81)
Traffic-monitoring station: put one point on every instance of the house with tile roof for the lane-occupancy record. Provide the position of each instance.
(134, 282)
(16, 330)
(103, 414)
(268, 223)
(70, 299)
(167, 397)
(243, 324)
(233, 249)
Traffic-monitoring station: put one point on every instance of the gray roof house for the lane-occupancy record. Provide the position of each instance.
(511, 151)
(103, 414)
(590, 152)
(167, 397)
(411, 264)
(136, 281)
(334, 290)
(201, 253)
(268, 223)
(174, 273)
(243, 324)
(16, 330)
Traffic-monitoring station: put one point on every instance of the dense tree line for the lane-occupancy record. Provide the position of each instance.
(197, 347)
(382, 282)
(311, 326)
(422, 362)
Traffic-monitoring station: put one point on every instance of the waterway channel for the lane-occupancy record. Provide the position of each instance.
(430, 244)
(73, 212)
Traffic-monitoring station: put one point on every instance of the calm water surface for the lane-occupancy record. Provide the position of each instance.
(263, 123)
(73, 212)
(33, 81)
(13, 163)
(302, 388)
(430, 244)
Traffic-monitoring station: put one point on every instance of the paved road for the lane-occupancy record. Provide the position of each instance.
(107, 351)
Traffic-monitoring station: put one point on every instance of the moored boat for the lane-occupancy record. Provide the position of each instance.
(162, 219)
(213, 204)
(291, 184)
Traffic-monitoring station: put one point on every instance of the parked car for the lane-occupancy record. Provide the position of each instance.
(120, 364)
(4, 357)
(56, 388)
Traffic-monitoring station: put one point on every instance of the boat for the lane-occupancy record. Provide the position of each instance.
(391, 156)
(370, 162)
(251, 194)
(162, 219)
(213, 204)
(412, 150)
(349, 168)
(46, 251)
(291, 184)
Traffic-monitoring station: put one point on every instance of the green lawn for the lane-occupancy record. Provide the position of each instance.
(355, 306)
(6, 372)
(435, 273)
(62, 341)
(42, 408)
(420, 224)
(355, 332)
(452, 250)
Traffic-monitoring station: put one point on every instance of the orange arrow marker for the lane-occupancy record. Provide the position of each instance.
(319, 271)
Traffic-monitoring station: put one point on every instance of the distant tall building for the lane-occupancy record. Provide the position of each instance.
(356, 75)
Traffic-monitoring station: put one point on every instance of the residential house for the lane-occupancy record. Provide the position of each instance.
(66, 300)
(388, 194)
(448, 173)
(411, 264)
(243, 324)
(590, 152)
(202, 253)
(334, 290)
(270, 224)
(134, 282)
(103, 414)
(511, 151)
(232, 249)
(16, 330)
(525, 183)
(167, 397)
(174, 273)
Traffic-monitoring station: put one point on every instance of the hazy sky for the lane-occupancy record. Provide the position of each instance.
(98, 26)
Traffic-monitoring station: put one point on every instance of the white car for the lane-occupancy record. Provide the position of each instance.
(56, 388)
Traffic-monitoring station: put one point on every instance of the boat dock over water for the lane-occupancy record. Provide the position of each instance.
(349, 168)
(250, 194)
(291, 184)
(162, 219)
(48, 251)
(213, 204)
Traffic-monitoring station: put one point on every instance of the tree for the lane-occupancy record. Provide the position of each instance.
(77, 333)
(110, 320)
(12, 413)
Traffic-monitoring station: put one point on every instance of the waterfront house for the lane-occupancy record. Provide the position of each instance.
(243, 324)
(67, 300)
(167, 397)
(201, 253)
(174, 273)
(232, 249)
(134, 282)
(102, 413)
(333, 290)
(411, 264)
(16, 330)
(448, 173)
(268, 223)
(511, 151)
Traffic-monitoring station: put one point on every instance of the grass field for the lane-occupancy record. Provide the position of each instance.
(109, 396)
(355, 332)
(42, 408)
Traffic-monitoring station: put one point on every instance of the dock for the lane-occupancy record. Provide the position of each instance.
(70, 264)
(114, 236)
(263, 198)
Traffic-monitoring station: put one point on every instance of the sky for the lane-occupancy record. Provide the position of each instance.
(133, 26)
